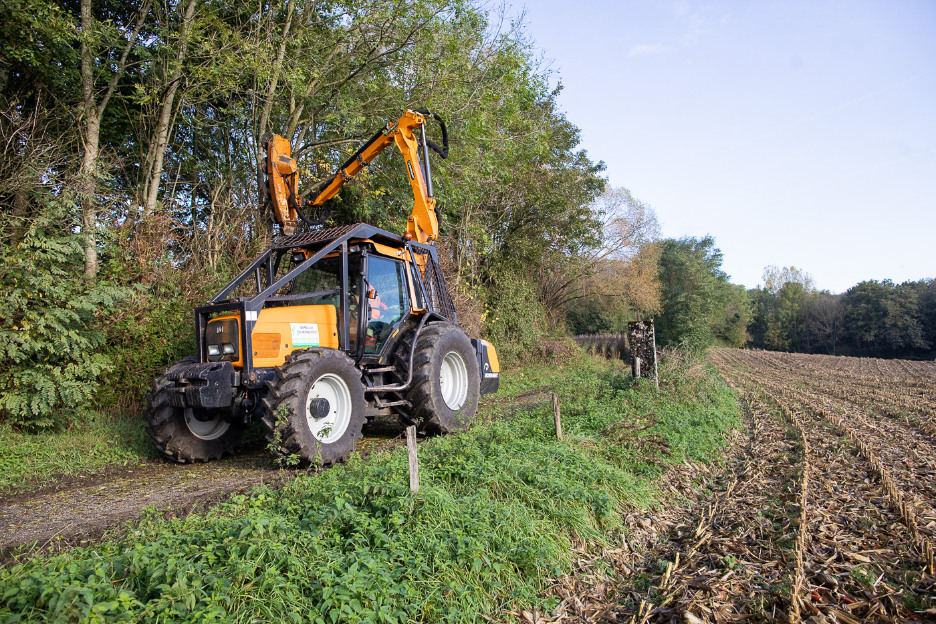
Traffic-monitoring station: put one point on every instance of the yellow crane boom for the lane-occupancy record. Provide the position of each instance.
(282, 174)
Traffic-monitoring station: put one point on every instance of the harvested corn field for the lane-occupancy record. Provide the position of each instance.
(823, 510)
(830, 511)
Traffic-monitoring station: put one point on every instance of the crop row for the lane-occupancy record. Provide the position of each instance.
(864, 549)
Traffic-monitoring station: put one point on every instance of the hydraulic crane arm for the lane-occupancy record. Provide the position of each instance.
(282, 173)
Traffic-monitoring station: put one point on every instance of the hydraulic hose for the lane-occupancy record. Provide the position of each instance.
(441, 151)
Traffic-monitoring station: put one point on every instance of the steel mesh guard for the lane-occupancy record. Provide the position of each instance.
(440, 300)
(316, 236)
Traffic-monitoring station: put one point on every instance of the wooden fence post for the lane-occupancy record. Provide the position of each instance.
(556, 419)
(656, 369)
(413, 464)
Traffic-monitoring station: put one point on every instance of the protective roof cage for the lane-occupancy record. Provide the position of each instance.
(321, 242)
(433, 280)
(324, 242)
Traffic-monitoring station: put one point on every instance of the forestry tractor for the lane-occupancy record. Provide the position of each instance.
(327, 328)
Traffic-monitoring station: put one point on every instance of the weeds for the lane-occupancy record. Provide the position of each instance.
(31, 460)
(492, 522)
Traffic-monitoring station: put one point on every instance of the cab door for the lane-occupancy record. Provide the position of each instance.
(387, 302)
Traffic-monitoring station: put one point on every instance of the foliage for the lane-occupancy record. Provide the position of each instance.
(700, 305)
(176, 100)
(617, 279)
(490, 526)
(516, 319)
(30, 460)
(50, 360)
(880, 319)
(598, 315)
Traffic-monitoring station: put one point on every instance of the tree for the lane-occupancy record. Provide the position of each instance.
(620, 266)
(700, 304)
(105, 47)
(880, 318)
(775, 277)
(828, 315)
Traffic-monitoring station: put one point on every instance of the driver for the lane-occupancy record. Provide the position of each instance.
(377, 307)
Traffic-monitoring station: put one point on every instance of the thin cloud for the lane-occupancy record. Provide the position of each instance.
(698, 23)
(648, 48)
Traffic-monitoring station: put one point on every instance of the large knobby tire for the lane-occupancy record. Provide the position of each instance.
(446, 381)
(177, 434)
(296, 427)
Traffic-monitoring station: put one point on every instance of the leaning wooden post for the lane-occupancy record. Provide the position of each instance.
(556, 416)
(656, 369)
(413, 464)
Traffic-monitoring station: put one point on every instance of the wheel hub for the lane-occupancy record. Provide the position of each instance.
(328, 408)
(319, 408)
(453, 380)
(206, 425)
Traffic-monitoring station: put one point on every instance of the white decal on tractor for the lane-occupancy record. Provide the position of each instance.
(304, 335)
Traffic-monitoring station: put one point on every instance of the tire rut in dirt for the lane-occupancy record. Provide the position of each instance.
(863, 558)
(732, 558)
(909, 455)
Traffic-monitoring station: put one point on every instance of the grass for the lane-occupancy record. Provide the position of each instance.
(31, 460)
(494, 519)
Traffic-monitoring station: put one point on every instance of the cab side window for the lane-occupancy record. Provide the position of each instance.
(390, 302)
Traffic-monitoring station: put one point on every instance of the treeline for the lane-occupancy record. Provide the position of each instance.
(695, 305)
(872, 318)
(128, 173)
(682, 286)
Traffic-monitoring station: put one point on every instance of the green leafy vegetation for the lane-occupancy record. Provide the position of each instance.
(32, 460)
(491, 524)
(701, 307)
(872, 318)
(50, 364)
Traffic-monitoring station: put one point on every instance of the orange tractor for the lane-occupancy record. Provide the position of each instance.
(327, 327)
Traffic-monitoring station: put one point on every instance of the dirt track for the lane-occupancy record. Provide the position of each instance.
(83, 509)
(79, 511)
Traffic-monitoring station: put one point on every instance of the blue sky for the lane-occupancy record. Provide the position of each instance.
(796, 133)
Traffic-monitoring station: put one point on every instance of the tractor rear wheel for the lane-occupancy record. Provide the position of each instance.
(315, 407)
(178, 434)
(446, 381)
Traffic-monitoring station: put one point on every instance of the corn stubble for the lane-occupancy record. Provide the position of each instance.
(824, 510)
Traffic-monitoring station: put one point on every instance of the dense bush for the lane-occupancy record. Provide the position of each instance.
(50, 342)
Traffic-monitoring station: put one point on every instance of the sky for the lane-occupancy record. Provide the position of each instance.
(796, 133)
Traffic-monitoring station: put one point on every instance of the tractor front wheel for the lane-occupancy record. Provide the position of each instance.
(315, 407)
(178, 433)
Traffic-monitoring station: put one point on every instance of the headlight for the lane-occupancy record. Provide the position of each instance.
(227, 348)
(215, 350)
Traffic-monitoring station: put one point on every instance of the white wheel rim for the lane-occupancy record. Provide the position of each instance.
(333, 389)
(205, 429)
(453, 380)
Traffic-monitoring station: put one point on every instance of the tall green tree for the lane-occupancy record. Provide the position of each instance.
(881, 318)
(700, 305)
